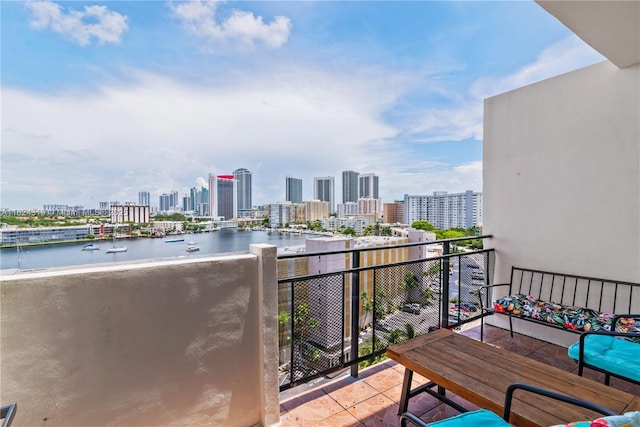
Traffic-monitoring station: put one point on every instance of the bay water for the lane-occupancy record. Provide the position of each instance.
(225, 241)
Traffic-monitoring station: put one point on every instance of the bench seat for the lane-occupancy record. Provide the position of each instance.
(611, 354)
(572, 318)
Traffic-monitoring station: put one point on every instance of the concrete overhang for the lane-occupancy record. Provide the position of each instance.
(609, 26)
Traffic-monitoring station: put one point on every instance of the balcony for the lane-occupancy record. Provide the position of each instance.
(372, 398)
(196, 342)
(189, 342)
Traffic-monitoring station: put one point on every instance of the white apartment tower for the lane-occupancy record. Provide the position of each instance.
(444, 210)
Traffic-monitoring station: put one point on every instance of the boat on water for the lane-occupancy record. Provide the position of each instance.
(173, 240)
(90, 247)
(192, 247)
(115, 248)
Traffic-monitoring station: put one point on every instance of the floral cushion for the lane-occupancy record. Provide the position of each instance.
(569, 317)
(630, 419)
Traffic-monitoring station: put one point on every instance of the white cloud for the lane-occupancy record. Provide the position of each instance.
(241, 26)
(567, 55)
(156, 134)
(95, 22)
(465, 119)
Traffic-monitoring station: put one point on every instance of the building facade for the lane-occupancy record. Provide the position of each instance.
(347, 209)
(393, 213)
(244, 192)
(136, 214)
(370, 206)
(324, 190)
(293, 190)
(316, 209)
(144, 198)
(350, 186)
(368, 186)
(445, 211)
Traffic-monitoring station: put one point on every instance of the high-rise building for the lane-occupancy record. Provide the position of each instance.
(293, 190)
(324, 190)
(222, 200)
(186, 203)
(144, 198)
(350, 186)
(444, 210)
(164, 203)
(243, 182)
(368, 186)
(204, 208)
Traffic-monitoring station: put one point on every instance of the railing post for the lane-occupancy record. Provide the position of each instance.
(444, 295)
(355, 311)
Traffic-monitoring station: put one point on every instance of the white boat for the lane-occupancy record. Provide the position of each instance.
(90, 247)
(115, 248)
(192, 247)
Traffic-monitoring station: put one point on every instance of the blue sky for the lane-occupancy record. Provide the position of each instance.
(101, 100)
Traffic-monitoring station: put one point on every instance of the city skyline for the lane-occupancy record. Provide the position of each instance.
(102, 100)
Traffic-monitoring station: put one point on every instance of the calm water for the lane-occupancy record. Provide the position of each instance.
(218, 242)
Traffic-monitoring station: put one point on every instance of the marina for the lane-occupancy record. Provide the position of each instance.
(226, 241)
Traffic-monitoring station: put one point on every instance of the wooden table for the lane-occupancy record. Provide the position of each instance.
(480, 373)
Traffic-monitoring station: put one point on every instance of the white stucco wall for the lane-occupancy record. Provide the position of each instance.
(170, 343)
(562, 174)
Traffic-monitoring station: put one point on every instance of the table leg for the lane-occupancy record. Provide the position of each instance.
(406, 390)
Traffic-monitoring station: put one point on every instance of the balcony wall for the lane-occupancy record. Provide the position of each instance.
(562, 174)
(164, 343)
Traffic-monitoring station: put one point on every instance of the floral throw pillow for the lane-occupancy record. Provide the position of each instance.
(630, 419)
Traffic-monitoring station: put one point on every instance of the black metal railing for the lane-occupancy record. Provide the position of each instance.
(386, 294)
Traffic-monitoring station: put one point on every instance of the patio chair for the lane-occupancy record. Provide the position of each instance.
(487, 418)
(7, 412)
(614, 353)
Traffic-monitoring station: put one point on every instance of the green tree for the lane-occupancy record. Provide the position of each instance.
(422, 225)
(349, 231)
(303, 323)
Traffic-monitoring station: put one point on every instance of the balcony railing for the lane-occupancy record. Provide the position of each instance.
(386, 294)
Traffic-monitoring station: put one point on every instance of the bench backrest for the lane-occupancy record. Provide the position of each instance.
(603, 295)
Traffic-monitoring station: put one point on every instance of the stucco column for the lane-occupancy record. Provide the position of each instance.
(268, 293)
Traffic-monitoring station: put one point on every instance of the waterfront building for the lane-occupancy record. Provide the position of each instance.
(393, 213)
(13, 235)
(350, 186)
(244, 190)
(347, 209)
(293, 189)
(324, 190)
(316, 209)
(222, 200)
(167, 226)
(278, 214)
(144, 198)
(136, 214)
(368, 186)
(444, 210)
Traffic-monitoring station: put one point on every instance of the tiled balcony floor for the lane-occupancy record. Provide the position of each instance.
(372, 399)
